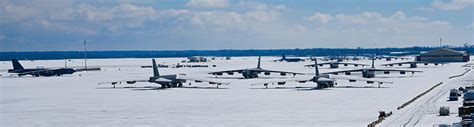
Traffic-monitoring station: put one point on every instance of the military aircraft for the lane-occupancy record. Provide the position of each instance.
(167, 81)
(389, 58)
(253, 72)
(284, 58)
(413, 64)
(370, 72)
(340, 58)
(36, 72)
(323, 80)
(336, 64)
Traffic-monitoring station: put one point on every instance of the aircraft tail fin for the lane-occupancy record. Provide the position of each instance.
(258, 65)
(17, 65)
(155, 69)
(316, 68)
(373, 61)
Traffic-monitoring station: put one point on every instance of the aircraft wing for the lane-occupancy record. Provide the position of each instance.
(278, 81)
(344, 71)
(396, 63)
(272, 71)
(353, 79)
(396, 70)
(417, 62)
(353, 64)
(202, 80)
(227, 71)
(124, 81)
(340, 63)
(312, 65)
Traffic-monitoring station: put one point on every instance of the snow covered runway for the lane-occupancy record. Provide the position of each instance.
(75, 100)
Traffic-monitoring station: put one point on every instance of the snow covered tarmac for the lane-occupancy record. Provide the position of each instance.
(74, 100)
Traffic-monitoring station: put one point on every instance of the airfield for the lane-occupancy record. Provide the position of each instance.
(79, 100)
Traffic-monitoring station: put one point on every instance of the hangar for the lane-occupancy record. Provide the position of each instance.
(443, 55)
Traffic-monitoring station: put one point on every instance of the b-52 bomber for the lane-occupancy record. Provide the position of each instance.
(370, 72)
(253, 72)
(323, 80)
(168, 81)
(285, 59)
(336, 64)
(389, 58)
(36, 72)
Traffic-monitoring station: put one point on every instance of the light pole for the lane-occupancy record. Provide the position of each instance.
(440, 42)
(85, 55)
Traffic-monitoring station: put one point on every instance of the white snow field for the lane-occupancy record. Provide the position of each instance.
(78, 100)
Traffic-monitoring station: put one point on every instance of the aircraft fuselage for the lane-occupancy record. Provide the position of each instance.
(323, 83)
(249, 74)
(334, 65)
(367, 73)
(44, 72)
(175, 82)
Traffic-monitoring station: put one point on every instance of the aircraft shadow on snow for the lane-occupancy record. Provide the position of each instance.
(244, 78)
(313, 88)
(142, 88)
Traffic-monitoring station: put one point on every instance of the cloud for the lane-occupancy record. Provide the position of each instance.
(208, 3)
(240, 25)
(320, 17)
(19, 10)
(375, 29)
(399, 20)
(470, 26)
(430, 9)
(452, 5)
(240, 19)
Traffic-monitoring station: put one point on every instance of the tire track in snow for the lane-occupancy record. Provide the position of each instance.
(427, 104)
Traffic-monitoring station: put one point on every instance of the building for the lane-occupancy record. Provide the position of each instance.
(197, 59)
(443, 55)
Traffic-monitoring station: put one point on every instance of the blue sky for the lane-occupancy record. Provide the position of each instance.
(52, 25)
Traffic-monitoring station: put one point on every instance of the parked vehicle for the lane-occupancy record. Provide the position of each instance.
(453, 95)
(469, 95)
(444, 111)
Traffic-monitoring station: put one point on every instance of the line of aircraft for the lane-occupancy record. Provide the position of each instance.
(323, 80)
(413, 64)
(336, 64)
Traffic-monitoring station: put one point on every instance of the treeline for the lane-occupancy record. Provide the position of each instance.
(45, 55)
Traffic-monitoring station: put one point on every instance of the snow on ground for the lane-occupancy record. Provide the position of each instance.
(425, 111)
(78, 100)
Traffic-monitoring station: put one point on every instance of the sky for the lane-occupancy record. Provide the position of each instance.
(63, 25)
